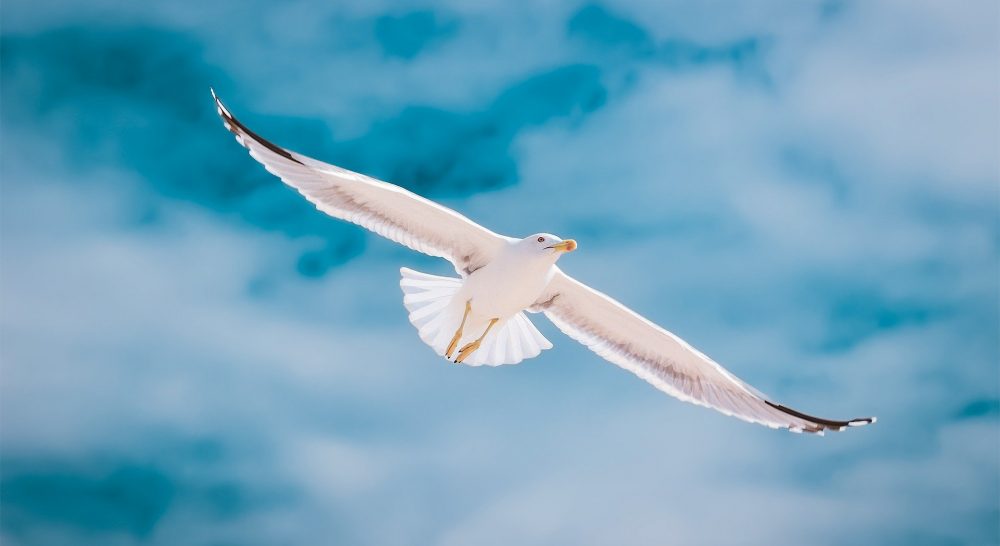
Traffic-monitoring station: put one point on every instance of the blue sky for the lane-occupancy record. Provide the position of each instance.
(192, 354)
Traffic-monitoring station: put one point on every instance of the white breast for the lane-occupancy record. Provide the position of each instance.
(509, 284)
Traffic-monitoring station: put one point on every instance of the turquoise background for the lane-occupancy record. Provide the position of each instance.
(807, 191)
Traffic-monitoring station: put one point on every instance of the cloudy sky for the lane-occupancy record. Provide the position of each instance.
(191, 354)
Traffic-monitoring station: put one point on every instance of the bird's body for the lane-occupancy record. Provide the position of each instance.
(508, 285)
(479, 318)
(501, 290)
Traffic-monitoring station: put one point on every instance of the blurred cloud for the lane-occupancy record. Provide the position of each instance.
(406, 35)
(191, 353)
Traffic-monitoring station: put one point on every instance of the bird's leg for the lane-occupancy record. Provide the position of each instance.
(458, 333)
(471, 347)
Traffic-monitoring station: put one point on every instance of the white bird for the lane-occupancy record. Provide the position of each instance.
(479, 319)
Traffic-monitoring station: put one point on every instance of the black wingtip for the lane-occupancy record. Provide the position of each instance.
(242, 131)
(823, 424)
(862, 421)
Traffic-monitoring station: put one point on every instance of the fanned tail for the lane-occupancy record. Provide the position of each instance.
(428, 298)
(510, 342)
(433, 311)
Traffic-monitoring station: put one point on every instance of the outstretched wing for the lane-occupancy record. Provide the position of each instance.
(386, 209)
(622, 337)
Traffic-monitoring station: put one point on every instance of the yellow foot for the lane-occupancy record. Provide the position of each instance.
(453, 344)
(467, 350)
(470, 348)
(458, 333)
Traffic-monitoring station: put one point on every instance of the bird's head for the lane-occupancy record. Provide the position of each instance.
(546, 244)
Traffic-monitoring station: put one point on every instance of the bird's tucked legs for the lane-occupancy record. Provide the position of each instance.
(470, 348)
(458, 333)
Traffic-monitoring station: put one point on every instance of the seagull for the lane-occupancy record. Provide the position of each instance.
(479, 318)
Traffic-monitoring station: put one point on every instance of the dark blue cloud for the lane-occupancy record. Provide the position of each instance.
(151, 85)
(440, 152)
(107, 494)
(745, 53)
(126, 498)
(601, 29)
(980, 408)
(613, 38)
(565, 92)
(409, 34)
(857, 315)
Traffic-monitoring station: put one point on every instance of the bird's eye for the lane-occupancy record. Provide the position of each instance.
(541, 239)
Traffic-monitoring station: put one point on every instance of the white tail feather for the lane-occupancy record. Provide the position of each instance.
(436, 316)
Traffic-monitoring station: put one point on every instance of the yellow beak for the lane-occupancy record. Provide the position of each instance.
(569, 245)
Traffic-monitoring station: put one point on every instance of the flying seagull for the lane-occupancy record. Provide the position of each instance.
(479, 318)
